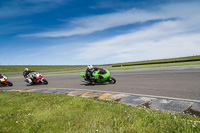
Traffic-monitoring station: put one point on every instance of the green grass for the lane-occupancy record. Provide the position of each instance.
(20, 68)
(155, 65)
(124, 67)
(45, 113)
(160, 60)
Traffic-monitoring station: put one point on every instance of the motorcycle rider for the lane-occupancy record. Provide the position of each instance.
(89, 76)
(1, 76)
(26, 73)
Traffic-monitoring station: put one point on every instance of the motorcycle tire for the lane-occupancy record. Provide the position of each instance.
(9, 83)
(112, 80)
(45, 81)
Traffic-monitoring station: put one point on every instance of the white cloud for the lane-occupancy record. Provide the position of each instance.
(26, 7)
(92, 24)
(178, 34)
(79, 26)
(165, 39)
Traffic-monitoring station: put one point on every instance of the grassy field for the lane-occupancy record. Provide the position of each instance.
(123, 68)
(20, 68)
(155, 65)
(44, 113)
(160, 60)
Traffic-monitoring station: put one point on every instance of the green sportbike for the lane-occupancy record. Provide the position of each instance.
(102, 76)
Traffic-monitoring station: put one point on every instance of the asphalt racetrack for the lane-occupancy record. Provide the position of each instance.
(175, 82)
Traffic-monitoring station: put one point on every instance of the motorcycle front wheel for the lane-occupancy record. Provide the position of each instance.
(45, 81)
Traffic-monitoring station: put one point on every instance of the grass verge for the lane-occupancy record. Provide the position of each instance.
(40, 112)
(124, 67)
(20, 68)
(189, 58)
(155, 65)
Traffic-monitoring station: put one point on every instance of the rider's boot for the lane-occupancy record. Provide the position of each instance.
(30, 81)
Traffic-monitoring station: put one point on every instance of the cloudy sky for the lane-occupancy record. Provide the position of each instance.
(74, 32)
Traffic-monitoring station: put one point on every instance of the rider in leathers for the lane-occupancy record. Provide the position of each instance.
(89, 76)
(1, 76)
(26, 73)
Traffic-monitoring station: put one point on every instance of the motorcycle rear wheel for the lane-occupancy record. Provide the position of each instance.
(112, 80)
(9, 83)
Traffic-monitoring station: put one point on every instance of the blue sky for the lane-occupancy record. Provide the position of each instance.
(81, 32)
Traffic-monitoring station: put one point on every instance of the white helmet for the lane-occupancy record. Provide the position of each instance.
(26, 69)
(90, 67)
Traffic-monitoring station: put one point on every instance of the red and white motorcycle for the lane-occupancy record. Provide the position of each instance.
(4, 81)
(35, 78)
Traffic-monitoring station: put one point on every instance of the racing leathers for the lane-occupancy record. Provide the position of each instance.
(29, 79)
(90, 77)
(1, 77)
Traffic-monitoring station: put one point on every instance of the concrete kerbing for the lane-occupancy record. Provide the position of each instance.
(17, 90)
(169, 105)
(194, 109)
(117, 97)
(3, 89)
(136, 100)
(76, 93)
(63, 91)
(153, 102)
(92, 94)
(30, 90)
(105, 96)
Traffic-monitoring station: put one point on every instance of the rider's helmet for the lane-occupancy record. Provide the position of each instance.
(26, 69)
(90, 67)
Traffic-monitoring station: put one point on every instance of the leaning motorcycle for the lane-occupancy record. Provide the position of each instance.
(103, 76)
(36, 77)
(4, 81)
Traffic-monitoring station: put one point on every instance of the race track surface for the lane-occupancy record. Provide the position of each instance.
(176, 83)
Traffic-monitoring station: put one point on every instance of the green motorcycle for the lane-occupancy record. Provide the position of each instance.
(102, 76)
